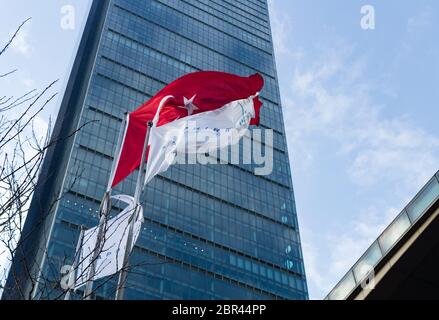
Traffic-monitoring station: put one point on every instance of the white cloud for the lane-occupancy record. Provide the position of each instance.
(328, 105)
(21, 43)
(40, 126)
(330, 102)
(318, 281)
(329, 256)
(417, 34)
(418, 22)
(29, 83)
(281, 27)
(349, 243)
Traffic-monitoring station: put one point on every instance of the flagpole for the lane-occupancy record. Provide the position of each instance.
(76, 260)
(104, 210)
(139, 186)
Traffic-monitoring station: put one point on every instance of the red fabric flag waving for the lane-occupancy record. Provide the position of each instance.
(189, 95)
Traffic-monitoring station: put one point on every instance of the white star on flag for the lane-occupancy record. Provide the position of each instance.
(189, 105)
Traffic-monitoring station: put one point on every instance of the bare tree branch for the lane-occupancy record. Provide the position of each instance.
(14, 36)
(8, 73)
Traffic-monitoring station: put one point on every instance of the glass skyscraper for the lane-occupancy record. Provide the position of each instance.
(210, 231)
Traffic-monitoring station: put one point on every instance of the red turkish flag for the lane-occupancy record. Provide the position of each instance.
(191, 94)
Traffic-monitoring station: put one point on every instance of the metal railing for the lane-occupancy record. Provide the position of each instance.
(420, 204)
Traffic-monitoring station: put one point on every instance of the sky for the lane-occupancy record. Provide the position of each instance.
(360, 108)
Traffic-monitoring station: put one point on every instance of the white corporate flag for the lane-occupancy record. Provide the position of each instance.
(198, 133)
(110, 259)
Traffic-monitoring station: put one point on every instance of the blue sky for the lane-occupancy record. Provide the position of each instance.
(360, 108)
(361, 113)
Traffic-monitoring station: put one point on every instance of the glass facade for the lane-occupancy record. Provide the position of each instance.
(210, 231)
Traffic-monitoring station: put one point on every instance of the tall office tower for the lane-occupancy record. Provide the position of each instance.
(210, 231)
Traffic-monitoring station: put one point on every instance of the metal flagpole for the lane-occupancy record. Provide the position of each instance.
(139, 186)
(104, 210)
(75, 262)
